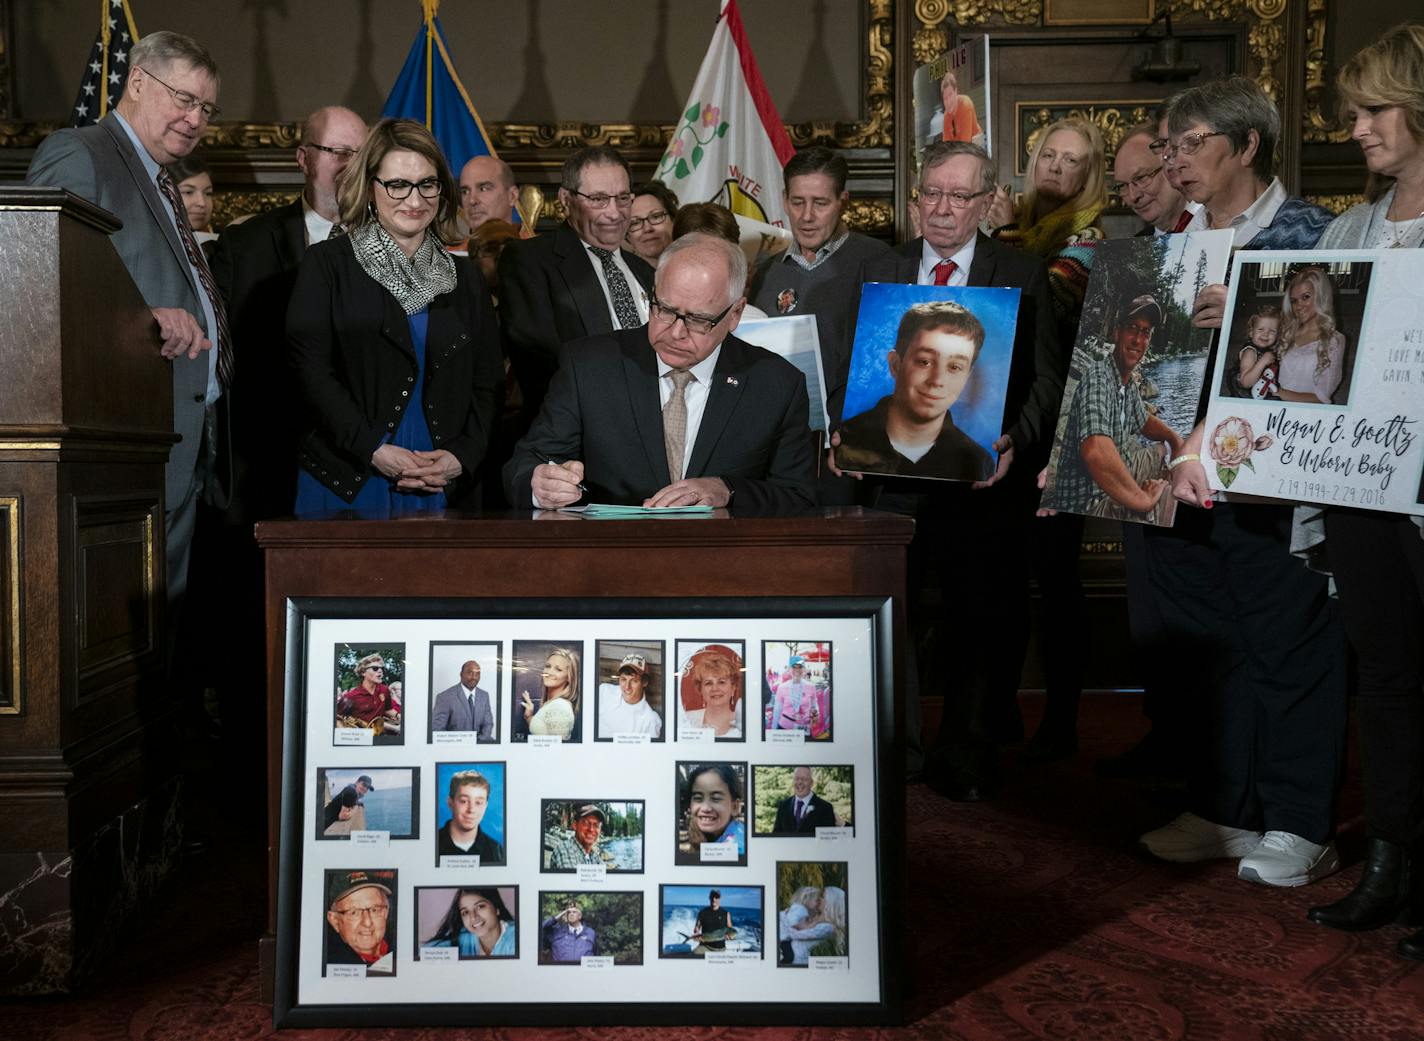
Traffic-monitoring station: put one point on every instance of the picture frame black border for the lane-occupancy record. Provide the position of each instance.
(437, 791)
(746, 859)
(642, 838)
(498, 698)
(751, 796)
(888, 792)
(515, 714)
(539, 895)
(336, 668)
(776, 909)
(768, 695)
(677, 690)
(662, 901)
(415, 947)
(662, 737)
(414, 801)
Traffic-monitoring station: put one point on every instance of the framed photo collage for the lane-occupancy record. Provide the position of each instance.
(490, 818)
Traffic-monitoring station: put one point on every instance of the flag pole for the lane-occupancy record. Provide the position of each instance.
(104, 72)
(430, 8)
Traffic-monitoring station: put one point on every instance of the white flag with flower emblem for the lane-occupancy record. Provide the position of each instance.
(730, 144)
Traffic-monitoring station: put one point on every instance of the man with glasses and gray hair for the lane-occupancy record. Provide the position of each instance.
(118, 163)
(991, 515)
(577, 282)
(1140, 180)
(679, 413)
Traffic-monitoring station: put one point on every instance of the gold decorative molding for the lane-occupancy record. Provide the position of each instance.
(870, 216)
(229, 205)
(1336, 204)
(929, 44)
(12, 700)
(1319, 127)
(979, 12)
(1113, 119)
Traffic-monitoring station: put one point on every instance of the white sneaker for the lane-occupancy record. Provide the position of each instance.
(1283, 859)
(1191, 838)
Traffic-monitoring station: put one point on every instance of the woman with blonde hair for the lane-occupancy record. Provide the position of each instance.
(825, 930)
(387, 432)
(1378, 558)
(1311, 350)
(559, 709)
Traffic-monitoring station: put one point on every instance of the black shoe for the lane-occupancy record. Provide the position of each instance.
(959, 785)
(1381, 896)
(1413, 946)
(1051, 744)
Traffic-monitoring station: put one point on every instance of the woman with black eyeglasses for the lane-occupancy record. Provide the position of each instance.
(650, 228)
(393, 340)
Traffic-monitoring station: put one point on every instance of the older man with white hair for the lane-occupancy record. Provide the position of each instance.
(678, 412)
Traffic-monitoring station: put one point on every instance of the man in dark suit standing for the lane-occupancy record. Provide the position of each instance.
(118, 163)
(255, 264)
(677, 413)
(465, 706)
(576, 282)
(975, 535)
(802, 812)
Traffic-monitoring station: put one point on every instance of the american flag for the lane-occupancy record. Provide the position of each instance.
(108, 68)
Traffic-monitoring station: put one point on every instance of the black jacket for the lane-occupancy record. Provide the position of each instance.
(349, 342)
(255, 266)
(549, 294)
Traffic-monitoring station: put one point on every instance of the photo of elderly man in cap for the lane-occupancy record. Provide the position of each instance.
(361, 921)
(624, 707)
(369, 704)
(1103, 467)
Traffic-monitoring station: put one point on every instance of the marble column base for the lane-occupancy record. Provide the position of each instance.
(63, 912)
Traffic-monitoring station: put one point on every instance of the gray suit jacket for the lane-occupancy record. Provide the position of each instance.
(99, 163)
(452, 712)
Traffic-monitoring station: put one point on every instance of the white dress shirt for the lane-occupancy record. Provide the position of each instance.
(318, 228)
(929, 260)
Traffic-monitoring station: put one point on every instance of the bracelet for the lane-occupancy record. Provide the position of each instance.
(1178, 460)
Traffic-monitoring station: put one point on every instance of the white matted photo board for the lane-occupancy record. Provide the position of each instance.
(853, 967)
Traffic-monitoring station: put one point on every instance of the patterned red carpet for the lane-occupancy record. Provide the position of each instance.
(1034, 918)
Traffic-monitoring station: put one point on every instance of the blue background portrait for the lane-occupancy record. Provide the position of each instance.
(493, 822)
(979, 412)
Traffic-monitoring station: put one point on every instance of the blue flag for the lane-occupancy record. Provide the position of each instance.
(428, 90)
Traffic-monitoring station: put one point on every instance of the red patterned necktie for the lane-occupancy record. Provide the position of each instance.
(205, 277)
(943, 270)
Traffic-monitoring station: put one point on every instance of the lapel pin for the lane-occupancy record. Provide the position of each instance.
(732, 380)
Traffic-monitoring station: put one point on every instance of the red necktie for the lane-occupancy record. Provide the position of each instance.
(943, 270)
(1183, 221)
(205, 278)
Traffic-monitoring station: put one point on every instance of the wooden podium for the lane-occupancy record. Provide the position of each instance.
(846, 552)
(88, 746)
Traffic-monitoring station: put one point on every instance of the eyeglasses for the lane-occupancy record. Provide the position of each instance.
(340, 153)
(598, 200)
(1187, 144)
(355, 914)
(693, 323)
(652, 220)
(1137, 182)
(398, 189)
(375, 668)
(187, 102)
(957, 200)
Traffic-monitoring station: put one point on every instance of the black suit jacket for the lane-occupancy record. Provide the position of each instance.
(255, 265)
(603, 409)
(349, 341)
(549, 294)
(1039, 363)
(819, 814)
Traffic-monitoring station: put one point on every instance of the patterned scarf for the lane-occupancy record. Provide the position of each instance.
(1051, 232)
(414, 282)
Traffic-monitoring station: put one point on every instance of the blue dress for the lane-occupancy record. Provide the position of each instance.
(378, 497)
